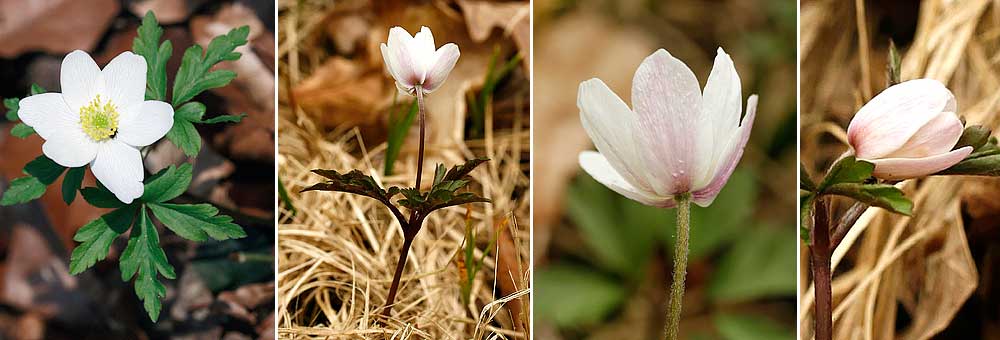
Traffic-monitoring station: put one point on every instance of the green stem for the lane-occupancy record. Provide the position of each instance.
(680, 264)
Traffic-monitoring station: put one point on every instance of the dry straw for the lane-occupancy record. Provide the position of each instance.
(922, 263)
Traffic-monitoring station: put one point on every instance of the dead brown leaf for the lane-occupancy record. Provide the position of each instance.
(56, 27)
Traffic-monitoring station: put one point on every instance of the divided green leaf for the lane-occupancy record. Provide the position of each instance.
(880, 195)
(21, 130)
(196, 222)
(71, 183)
(144, 259)
(195, 76)
(444, 192)
(147, 44)
(100, 197)
(23, 190)
(12, 105)
(847, 170)
(167, 184)
(96, 237)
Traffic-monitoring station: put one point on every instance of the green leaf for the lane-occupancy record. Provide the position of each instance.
(167, 184)
(100, 197)
(283, 196)
(36, 89)
(12, 105)
(224, 119)
(194, 76)
(71, 183)
(760, 265)
(22, 131)
(23, 190)
(573, 296)
(975, 136)
(45, 169)
(185, 136)
(144, 259)
(751, 327)
(988, 165)
(444, 192)
(197, 222)
(880, 195)
(147, 44)
(847, 170)
(399, 126)
(96, 238)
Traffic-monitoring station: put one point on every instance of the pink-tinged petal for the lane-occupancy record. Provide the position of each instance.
(598, 167)
(48, 114)
(422, 49)
(444, 61)
(145, 123)
(888, 121)
(904, 168)
(401, 59)
(70, 148)
(722, 106)
(937, 137)
(125, 80)
(705, 196)
(667, 98)
(611, 125)
(118, 167)
(78, 79)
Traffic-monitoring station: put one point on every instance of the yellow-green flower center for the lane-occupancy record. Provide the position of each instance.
(99, 119)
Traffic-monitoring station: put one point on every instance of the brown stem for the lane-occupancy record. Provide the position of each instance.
(422, 119)
(844, 225)
(821, 271)
(391, 299)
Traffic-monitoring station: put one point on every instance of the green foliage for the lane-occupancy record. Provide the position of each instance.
(444, 191)
(72, 182)
(96, 237)
(477, 107)
(196, 222)
(183, 133)
(12, 105)
(100, 197)
(880, 195)
(847, 170)
(283, 196)
(40, 172)
(399, 126)
(750, 327)
(167, 184)
(144, 259)
(195, 76)
(760, 264)
(147, 44)
(573, 296)
(21, 130)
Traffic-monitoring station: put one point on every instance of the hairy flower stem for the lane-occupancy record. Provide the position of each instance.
(821, 271)
(680, 264)
(411, 227)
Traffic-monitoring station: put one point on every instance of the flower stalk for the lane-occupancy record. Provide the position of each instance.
(680, 264)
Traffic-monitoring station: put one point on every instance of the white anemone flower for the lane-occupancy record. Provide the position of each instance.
(675, 140)
(101, 118)
(413, 60)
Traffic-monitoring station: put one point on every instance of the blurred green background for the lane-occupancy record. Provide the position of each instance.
(602, 262)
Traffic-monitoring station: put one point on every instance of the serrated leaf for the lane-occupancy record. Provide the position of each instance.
(96, 237)
(45, 169)
(22, 131)
(147, 44)
(144, 259)
(880, 195)
(167, 184)
(356, 182)
(193, 76)
(197, 222)
(184, 135)
(847, 170)
(12, 105)
(225, 119)
(22, 190)
(444, 192)
(100, 197)
(71, 183)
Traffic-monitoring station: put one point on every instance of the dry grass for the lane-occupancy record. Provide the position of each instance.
(336, 256)
(922, 263)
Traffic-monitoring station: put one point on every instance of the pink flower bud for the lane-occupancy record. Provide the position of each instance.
(413, 61)
(908, 130)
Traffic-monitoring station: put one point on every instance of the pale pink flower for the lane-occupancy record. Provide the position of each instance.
(413, 61)
(908, 130)
(675, 140)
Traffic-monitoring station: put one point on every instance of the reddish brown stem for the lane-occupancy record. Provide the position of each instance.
(422, 121)
(391, 299)
(821, 271)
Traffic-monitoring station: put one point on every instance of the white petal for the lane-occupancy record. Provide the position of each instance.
(722, 107)
(145, 123)
(886, 122)
(119, 167)
(904, 168)
(125, 80)
(71, 148)
(936, 137)
(611, 125)
(725, 166)
(79, 78)
(397, 54)
(48, 114)
(422, 50)
(598, 167)
(444, 61)
(667, 99)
